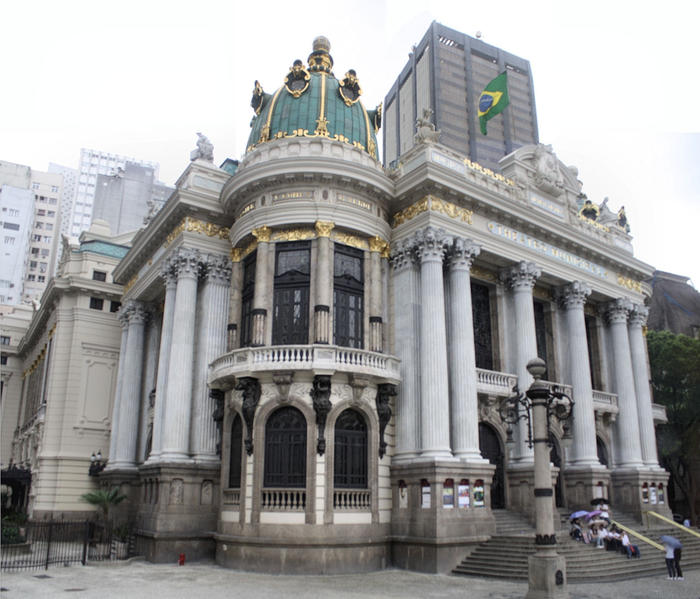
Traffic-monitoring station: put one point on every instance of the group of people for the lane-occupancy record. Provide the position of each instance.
(604, 536)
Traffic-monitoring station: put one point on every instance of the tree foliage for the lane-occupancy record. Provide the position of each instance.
(675, 374)
(104, 499)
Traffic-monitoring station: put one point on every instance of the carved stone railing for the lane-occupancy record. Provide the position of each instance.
(495, 383)
(352, 499)
(659, 413)
(604, 402)
(249, 361)
(284, 500)
(232, 497)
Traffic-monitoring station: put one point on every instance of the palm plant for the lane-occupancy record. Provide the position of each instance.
(104, 499)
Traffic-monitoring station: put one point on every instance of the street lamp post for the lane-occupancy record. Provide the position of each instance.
(539, 405)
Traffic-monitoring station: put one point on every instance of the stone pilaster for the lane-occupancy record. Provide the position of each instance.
(637, 320)
(129, 410)
(376, 246)
(463, 393)
(261, 286)
(571, 298)
(235, 304)
(324, 285)
(169, 274)
(520, 280)
(407, 329)
(629, 453)
(178, 408)
(116, 408)
(211, 343)
(430, 244)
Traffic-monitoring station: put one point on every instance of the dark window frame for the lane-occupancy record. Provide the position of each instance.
(292, 282)
(99, 275)
(351, 451)
(247, 296)
(285, 449)
(235, 453)
(95, 302)
(348, 298)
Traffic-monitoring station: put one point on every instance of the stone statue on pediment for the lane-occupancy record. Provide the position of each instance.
(204, 150)
(548, 177)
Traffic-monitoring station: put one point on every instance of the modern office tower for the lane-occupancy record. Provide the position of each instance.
(92, 164)
(126, 198)
(30, 221)
(446, 73)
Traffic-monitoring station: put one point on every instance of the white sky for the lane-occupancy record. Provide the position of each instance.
(616, 85)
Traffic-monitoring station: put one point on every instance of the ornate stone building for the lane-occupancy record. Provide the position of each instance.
(314, 349)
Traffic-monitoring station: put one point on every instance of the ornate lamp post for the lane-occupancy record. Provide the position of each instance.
(96, 464)
(539, 404)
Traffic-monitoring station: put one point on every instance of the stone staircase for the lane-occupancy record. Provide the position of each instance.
(505, 555)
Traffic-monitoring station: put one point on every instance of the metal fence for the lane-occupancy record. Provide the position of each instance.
(37, 545)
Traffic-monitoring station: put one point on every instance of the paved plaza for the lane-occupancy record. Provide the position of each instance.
(138, 579)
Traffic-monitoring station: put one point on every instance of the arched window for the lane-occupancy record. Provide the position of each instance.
(234, 466)
(285, 449)
(350, 453)
(290, 324)
(348, 296)
(247, 294)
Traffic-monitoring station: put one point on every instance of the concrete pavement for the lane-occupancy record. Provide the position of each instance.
(138, 579)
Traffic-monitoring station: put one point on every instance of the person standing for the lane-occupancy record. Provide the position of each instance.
(677, 563)
(670, 562)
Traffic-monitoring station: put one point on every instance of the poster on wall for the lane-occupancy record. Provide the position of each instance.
(448, 494)
(403, 495)
(652, 494)
(479, 493)
(463, 493)
(661, 493)
(645, 493)
(425, 494)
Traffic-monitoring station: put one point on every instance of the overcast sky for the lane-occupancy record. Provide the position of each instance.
(616, 85)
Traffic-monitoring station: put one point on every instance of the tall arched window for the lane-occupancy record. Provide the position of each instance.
(234, 467)
(350, 453)
(285, 449)
(290, 324)
(348, 296)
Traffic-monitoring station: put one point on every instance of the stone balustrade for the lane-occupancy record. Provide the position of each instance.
(659, 413)
(284, 500)
(352, 499)
(495, 383)
(605, 402)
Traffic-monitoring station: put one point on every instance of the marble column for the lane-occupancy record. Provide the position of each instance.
(211, 343)
(637, 320)
(116, 407)
(430, 246)
(169, 274)
(261, 286)
(376, 246)
(178, 406)
(520, 279)
(324, 285)
(571, 298)
(129, 410)
(463, 393)
(629, 454)
(149, 381)
(406, 326)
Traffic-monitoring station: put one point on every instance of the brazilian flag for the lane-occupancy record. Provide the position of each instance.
(493, 100)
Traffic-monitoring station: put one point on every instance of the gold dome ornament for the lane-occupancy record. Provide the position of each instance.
(297, 80)
(320, 58)
(349, 88)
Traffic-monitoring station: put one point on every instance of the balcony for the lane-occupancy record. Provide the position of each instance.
(319, 359)
(605, 403)
(659, 413)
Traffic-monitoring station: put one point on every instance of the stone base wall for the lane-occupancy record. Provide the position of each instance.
(432, 558)
(166, 549)
(583, 484)
(628, 492)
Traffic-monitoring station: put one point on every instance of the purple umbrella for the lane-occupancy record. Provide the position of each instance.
(671, 541)
(593, 513)
(578, 514)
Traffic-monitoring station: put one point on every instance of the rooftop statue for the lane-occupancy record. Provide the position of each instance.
(425, 129)
(204, 150)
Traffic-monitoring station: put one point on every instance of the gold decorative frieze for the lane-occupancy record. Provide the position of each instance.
(377, 244)
(52, 330)
(485, 275)
(433, 204)
(192, 225)
(299, 234)
(594, 224)
(131, 283)
(345, 199)
(247, 208)
(249, 248)
(262, 234)
(236, 254)
(36, 362)
(324, 228)
(475, 166)
(543, 294)
(351, 240)
(629, 283)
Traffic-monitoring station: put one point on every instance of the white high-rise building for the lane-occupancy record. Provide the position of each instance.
(93, 163)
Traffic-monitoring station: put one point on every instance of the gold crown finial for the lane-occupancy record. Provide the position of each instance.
(320, 58)
(321, 44)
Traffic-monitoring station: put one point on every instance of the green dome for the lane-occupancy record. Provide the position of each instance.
(313, 103)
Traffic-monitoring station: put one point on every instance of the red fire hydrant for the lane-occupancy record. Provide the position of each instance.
(181, 560)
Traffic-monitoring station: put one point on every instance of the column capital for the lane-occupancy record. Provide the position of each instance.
(521, 276)
(136, 312)
(638, 315)
(168, 270)
(618, 310)
(217, 269)
(401, 255)
(431, 244)
(573, 295)
(324, 228)
(463, 253)
(188, 263)
(262, 234)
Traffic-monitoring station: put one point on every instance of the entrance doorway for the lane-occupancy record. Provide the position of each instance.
(491, 449)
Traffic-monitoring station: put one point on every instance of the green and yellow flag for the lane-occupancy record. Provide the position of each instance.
(493, 100)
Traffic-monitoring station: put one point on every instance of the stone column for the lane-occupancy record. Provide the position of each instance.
(435, 406)
(261, 286)
(211, 343)
(376, 246)
(520, 279)
(178, 407)
(129, 410)
(235, 304)
(116, 407)
(647, 434)
(149, 381)
(464, 405)
(629, 453)
(324, 285)
(169, 273)
(406, 325)
(571, 298)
